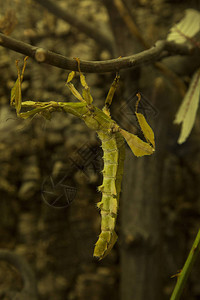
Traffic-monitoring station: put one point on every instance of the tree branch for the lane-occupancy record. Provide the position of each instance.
(160, 50)
(83, 26)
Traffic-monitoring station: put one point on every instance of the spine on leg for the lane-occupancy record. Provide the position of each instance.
(114, 154)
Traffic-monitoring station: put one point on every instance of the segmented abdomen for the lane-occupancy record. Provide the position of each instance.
(114, 154)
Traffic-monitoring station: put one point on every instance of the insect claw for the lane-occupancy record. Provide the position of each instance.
(79, 63)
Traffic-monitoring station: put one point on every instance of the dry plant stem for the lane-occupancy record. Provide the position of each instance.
(160, 50)
(83, 26)
(182, 277)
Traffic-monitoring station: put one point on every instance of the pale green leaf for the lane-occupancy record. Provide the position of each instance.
(189, 26)
(188, 109)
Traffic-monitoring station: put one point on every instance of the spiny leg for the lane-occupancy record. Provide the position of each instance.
(72, 88)
(110, 95)
(16, 95)
(86, 96)
(86, 90)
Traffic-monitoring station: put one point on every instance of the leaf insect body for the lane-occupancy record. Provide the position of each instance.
(112, 138)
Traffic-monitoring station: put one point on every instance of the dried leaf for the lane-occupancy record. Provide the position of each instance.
(188, 109)
(188, 27)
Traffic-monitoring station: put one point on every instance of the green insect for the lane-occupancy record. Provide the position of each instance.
(112, 138)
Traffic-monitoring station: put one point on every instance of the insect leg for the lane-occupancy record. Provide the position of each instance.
(110, 95)
(86, 90)
(16, 95)
(71, 86)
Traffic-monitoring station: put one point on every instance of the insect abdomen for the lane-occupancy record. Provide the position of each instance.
(114, 153)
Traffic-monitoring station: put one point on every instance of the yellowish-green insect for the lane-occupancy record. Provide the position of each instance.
(112, 138)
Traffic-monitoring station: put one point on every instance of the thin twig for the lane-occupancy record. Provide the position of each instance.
(160, 50)
(183, 275)
(81, 25)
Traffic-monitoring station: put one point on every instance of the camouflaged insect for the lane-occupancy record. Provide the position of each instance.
(112, 138)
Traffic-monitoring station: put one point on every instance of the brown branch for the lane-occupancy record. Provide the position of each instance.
(157, 52)
(83, 26)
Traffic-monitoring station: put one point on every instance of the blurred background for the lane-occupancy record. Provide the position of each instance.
(50, 170)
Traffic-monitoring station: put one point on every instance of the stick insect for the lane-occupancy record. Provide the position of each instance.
(112, 139)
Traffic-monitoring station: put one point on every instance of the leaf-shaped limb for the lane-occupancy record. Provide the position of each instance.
(112, 90)
(71, 86)
(87, 96)
(145, 127)
(16, 95)
(74, 91)
(31, 113)
(188, 109)
(13, 92)
(138, 147)
(17, 91)
(86, 90)
(71, 76)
